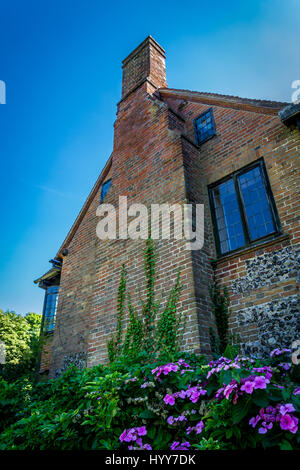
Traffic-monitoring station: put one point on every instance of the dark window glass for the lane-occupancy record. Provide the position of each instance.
(50, 308)
(243, 209)
(104, 189)
(258, 212)
(204, 126)
(228, 217)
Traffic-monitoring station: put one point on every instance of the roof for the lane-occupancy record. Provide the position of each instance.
(48, 275)
(290, 113)
(228, 101)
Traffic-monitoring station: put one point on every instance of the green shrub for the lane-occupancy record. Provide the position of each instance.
(226, 404)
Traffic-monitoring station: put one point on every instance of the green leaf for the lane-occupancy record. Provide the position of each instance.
(260, 398)
(285, 445)
(240, 410)
(226, 377)
(147, 414)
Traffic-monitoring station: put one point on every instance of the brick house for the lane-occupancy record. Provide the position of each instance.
(240, 158)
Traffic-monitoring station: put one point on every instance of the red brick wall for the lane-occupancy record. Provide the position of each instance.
(46, 354)
(147, 166)
(264, 300)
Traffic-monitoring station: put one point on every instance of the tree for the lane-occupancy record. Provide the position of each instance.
(20, 335)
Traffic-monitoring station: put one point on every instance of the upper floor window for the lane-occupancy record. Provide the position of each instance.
(204, 126)
(50, 308)
(104, 189)
(243, 209)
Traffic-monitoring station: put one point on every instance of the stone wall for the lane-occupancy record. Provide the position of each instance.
(263, 279)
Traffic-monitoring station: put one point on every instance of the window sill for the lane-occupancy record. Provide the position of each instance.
(251, 248)
(48, 333)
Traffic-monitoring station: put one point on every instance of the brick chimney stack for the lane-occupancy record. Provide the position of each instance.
(145, 63)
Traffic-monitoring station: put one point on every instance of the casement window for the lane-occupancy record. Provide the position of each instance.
(204, 126)
(104, 189)
(243, 209)
(50, 308)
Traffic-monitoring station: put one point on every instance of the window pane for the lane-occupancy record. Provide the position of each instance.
(228, 217)
(256, 204)
(50, 308)
(104, 189)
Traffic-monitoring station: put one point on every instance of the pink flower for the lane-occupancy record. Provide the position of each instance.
(169, 400)
(248, 387)
(289, 423)
(142, 431)
(123, 435)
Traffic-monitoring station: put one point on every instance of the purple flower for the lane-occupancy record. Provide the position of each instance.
(253, 421)
(288, 408)
(170, 420)
(278, 352)
(181, 418)
(193, 393)
(275, 352)
(199, 427)
(285, 365)
(129, 435)
(147, 447)
(262, 430)
(177, 446)
(261, 382)
(296, 391)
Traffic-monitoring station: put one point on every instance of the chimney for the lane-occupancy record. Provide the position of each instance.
(145, 63)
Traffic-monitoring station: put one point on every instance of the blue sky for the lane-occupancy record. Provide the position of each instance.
(61, 62)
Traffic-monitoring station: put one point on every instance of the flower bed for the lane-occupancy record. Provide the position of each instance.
(180, 405)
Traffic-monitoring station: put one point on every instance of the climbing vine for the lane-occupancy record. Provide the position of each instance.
(114, 346)
(152, 329)
(220, 308)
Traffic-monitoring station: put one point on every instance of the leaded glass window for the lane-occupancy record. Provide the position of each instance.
(243, 209)
(204, 126)
(104, 189)
(50, 308)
